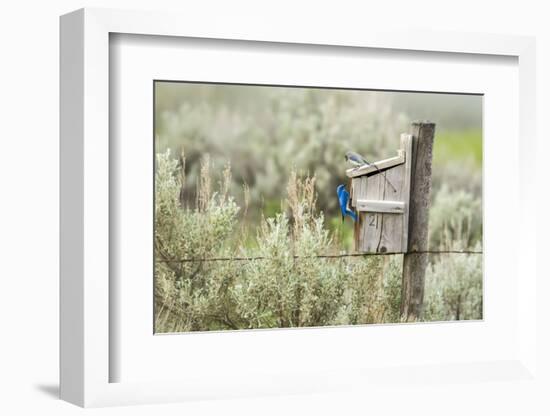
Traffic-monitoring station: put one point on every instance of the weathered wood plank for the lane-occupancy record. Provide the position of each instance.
(359, 186)
(406, 148)
(378, 231)
(375, 167)
(389, 207)
(415, 261)
(381, 232)
(355, 184)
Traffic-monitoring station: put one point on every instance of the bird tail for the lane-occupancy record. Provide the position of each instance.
(353, 215)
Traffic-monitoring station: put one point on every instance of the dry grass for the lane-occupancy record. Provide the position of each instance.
(205, 184)
(301, 199)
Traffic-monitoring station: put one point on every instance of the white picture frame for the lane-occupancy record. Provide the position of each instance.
(86, 355)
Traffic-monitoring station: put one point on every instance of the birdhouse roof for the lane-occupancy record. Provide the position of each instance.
(373, 168)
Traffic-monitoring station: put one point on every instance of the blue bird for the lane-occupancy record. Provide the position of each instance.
(343, 199)
(356, 159)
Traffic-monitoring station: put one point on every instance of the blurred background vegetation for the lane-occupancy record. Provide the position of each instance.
(247, 142)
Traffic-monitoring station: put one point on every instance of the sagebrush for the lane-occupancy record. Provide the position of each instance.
(207, 278)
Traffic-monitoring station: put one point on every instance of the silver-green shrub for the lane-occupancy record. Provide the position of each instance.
(207, 279)
(454, 288)
(455, 220)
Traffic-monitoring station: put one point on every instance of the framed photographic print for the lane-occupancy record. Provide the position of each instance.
(268, 213)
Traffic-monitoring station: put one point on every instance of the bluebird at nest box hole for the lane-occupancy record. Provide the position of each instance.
(343, 199)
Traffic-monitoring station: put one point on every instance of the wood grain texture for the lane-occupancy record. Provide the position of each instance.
(383, 210)
(377, 166)
(381, 232)
(406, 147)
(385, 207)
(414, 264)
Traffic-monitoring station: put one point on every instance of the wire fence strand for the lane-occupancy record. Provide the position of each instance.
(321, 256)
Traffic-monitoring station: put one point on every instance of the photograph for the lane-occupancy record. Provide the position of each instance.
(304, 206)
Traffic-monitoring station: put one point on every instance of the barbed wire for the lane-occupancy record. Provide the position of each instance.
(321, 256)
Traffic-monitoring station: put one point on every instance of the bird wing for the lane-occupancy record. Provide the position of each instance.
(342, 201)
(345, 197)
(364, 160)
(357, 158)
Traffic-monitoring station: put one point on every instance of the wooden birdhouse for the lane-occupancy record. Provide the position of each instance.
(392, 200)
(380, 194)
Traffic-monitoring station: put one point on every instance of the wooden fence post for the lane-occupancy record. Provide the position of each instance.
(414, 263)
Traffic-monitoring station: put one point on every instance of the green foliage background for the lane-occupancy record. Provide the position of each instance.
(246, 171)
